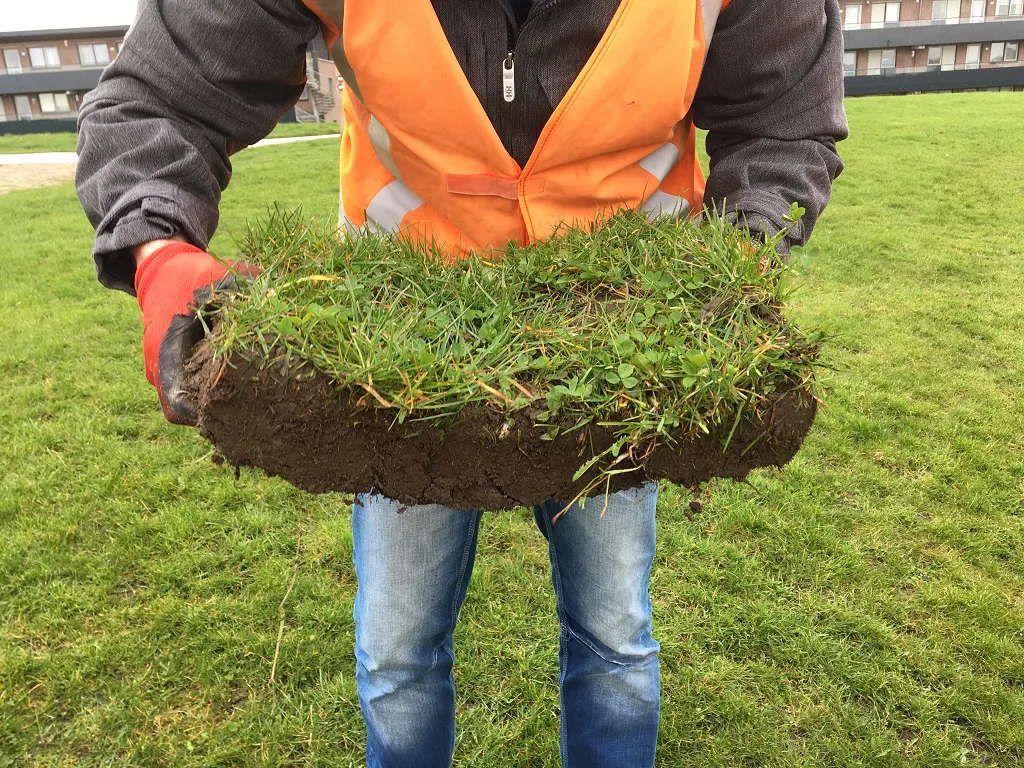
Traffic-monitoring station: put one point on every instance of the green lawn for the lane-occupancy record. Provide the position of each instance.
(864, 607)
(303, 129)
(65, 142)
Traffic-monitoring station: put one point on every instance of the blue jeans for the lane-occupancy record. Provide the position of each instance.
(413, 565)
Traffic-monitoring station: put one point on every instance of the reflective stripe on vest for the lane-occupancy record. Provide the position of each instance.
(659, 164)
(425, 161)
(390, 206)
(710, 10)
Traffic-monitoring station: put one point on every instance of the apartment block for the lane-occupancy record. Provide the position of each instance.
(45, 74)
(914, 46)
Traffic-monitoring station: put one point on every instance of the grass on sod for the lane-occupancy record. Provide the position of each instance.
(864, 607)
(655, 331)
(65, 142)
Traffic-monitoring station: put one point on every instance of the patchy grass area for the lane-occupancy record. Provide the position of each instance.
(65, 142)
(18, 177)
(861, 608)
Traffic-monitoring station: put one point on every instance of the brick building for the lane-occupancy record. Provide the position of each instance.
(44, 74)
(911, 46)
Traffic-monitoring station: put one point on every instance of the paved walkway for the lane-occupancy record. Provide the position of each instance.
(48, 158)
(39, 158)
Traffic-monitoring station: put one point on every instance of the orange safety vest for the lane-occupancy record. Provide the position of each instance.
(426, 163)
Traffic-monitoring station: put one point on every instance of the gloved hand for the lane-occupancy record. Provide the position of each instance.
(171, 284)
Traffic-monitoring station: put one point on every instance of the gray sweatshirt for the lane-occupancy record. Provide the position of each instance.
(198, 80)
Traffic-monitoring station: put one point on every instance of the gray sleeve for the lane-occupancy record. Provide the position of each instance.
(771, 98)
(195, 81)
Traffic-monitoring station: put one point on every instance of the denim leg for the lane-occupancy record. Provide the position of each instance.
(413, 566)
(610, 681)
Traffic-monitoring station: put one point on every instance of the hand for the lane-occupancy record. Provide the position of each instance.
(171, 281)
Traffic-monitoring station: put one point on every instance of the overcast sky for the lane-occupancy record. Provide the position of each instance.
(23, 15)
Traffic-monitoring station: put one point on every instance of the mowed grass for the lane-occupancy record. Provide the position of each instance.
(863, 607)
(65, 142)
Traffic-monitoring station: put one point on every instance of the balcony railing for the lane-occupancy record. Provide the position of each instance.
(61, 68)
(931, 22)
(890, 71)
(43, 116)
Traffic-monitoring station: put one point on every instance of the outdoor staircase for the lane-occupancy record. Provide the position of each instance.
(321, 96)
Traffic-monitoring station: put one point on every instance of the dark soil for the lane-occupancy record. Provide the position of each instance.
(297, 425)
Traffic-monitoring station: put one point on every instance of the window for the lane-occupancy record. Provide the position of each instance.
(885, 15)
(1003, 52)
(889, 58)
(948, 57)
(93, 54)
(945, 11)
(853, 17)
(941, 57)
(44, 58)
(973, 56)
(23, 107)
(1009, 7)
(54, 102)
(12, 61)
(849, 63)
(875, 61)
(978, 10)
(877, 15)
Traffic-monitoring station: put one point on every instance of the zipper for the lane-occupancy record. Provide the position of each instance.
(508, 77)
(508, 65)
(508, 80)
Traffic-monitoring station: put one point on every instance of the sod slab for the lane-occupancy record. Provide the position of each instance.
(593, 361)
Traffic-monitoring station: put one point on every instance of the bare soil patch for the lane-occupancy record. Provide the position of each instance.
(17, 177)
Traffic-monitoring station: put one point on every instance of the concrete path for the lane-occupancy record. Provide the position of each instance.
(39, 158)
(291, 139)
(48, 158)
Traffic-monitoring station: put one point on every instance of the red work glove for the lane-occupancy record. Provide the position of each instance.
(171, 284)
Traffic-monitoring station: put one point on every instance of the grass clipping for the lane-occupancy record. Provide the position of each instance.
(616, 344)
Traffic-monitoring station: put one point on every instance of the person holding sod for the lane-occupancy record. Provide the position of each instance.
(471, 123)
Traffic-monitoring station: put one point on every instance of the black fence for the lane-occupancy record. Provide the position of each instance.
(38, 126)
(897, 81)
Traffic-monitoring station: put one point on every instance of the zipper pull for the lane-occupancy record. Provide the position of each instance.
(508, 78)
